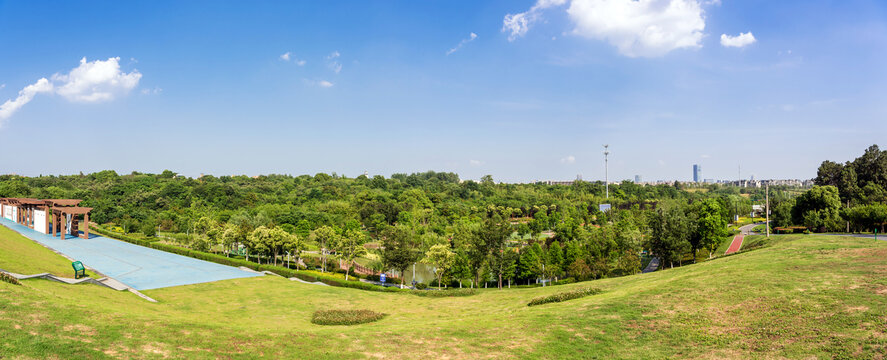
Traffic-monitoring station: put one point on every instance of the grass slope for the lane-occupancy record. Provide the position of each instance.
(797, 297)
(21, 255)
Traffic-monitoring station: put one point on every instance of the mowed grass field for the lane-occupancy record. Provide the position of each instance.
(796, 297)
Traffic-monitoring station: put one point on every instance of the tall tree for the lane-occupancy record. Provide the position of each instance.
(350, 247)
(327, 236)
(494, 235)
(399, 249)
(442, 258)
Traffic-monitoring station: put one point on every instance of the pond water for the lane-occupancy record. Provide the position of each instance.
(424, 273)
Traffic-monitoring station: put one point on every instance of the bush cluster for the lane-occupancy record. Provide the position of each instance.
(564, 296)
(566, 281)
(8, 278)
(444, 293)
(345, 317)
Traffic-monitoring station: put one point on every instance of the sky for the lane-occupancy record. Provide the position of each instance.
(520, 90)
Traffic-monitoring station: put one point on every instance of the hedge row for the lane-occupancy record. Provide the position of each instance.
(564, 296)
(444, 293)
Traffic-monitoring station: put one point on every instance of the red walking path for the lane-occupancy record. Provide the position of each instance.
(735, 245)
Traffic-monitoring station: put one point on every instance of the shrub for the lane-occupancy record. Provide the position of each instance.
(564, 296)
(444, 293)
(9, 278)
(568, 280)
(421, 286)
(345, 317)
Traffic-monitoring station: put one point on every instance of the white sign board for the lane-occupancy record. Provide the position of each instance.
(604, 207)
(40, 221)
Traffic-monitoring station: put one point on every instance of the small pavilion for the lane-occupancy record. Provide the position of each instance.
(63, 215)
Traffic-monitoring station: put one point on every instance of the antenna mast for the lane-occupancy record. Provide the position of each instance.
(607, 169)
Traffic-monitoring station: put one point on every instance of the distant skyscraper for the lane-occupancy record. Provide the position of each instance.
(637, 179)
(697, 173)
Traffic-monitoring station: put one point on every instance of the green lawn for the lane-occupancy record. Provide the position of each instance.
(21, 255)
(796, 297)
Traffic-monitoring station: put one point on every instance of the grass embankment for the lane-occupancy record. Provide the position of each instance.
(798, 296)
(24, 256)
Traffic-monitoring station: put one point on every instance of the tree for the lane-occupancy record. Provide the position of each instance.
(670, 232)
(711, 226)
(441, 258)
(494, 233)
(277, 240)
(327, 236)
(555, 259)
(350, 246)
(229, 237)
(531, 261)
(258, 240)
(294, 246)
(399, 248)
(818, 208)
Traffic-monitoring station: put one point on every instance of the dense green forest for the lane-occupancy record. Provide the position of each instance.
(489, 230)
(848, 197)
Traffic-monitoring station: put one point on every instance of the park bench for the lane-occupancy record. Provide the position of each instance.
(79, 269)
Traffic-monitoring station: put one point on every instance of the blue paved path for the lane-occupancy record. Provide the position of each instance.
(137, 266)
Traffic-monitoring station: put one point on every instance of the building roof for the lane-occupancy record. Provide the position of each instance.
(73, 210)
(64, 202)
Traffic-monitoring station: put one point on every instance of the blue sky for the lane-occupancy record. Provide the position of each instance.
(385, 87)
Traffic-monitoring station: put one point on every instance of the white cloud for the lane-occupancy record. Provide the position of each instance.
(318, 83)
(289, 56)
(470, 38)
(90, 82)
(568, 160)
(24, 96)
(518, 24)
(741, 40)
(2, 86)
(637, 28)
(475, 163)
(96, 81)
(705, 156)
(332, 63)
(155, 90)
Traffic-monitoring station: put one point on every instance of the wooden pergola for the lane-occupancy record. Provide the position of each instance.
(26, 208)
(60, 220)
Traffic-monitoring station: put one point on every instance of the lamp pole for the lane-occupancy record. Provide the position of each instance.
(767, 210)
(607, 170)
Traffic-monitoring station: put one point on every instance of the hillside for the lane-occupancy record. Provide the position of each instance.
(796, 297)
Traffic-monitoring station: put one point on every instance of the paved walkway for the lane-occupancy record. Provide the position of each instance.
(135, 266)
(737, 240)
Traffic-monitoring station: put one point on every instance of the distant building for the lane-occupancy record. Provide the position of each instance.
(709, 181)
(637, 179)
(697, 173)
